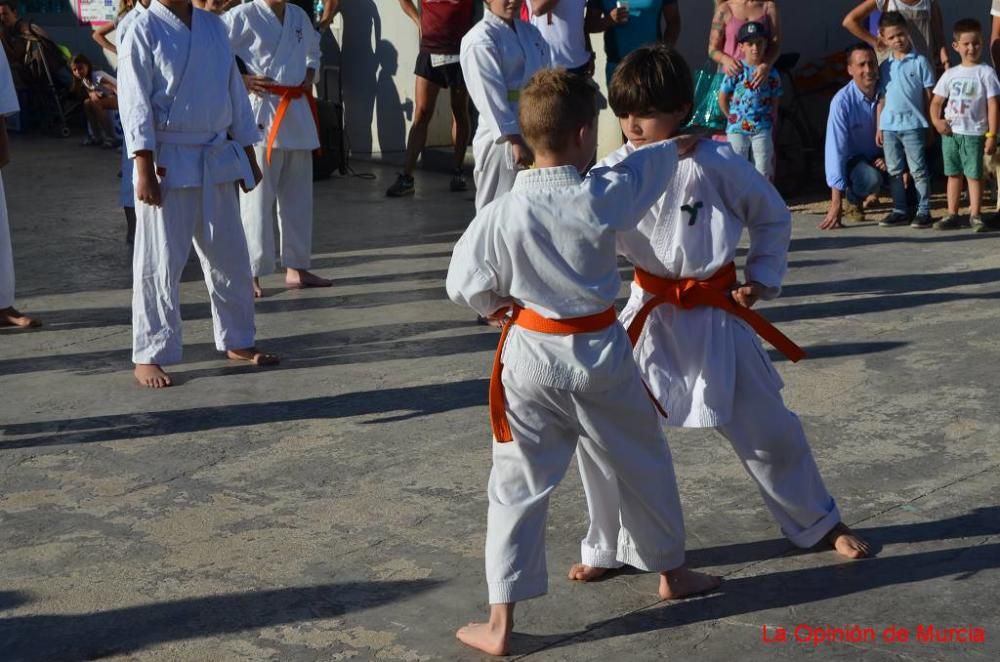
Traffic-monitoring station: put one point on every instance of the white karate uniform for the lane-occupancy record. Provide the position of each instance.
(706, 367)
(282, 51)
(180, 94)
(126, 190)
(497, 61)
(8, 106)
(548, 245)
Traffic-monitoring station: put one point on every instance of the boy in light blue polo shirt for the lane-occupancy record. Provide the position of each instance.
(906, 81)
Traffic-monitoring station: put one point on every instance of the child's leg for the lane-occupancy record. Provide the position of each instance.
(740, 144)
(494, 173)
(599, 549)
(895, 161)
(6, 255)
(975, 197)
(101, 115)
(914, 146)
(524, 473)
(225, 262)
(954, 194)
(763, 153)
(621, 431)
(257, 210)
(773, 449)
(294, 188)
(91, 111)
(162, 245)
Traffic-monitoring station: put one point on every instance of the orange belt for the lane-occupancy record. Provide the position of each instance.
(288, 94)
(713, 291)
(532, 321)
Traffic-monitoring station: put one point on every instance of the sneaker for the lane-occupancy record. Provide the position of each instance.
(403, 186)
(854, 213)
(977, 224)
(90, 141)
(952, 223)
(458, 184)
(893, 219)
(922, 221)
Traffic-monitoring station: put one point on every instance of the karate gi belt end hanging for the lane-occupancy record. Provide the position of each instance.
(532, 321)
(289, 93)
(713, 291)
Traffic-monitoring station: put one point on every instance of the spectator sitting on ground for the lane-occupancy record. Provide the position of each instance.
(855, 168)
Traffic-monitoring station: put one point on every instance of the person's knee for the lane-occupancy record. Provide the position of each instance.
(422, 115)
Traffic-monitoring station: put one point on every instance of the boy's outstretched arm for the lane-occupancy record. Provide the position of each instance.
(624, 192)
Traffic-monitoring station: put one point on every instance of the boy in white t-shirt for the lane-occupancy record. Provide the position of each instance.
(969, 123)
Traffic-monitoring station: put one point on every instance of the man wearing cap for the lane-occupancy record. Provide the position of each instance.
(750, 109)
(855, 168)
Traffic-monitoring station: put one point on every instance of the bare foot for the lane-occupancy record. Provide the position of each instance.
(151, 375)
(847, 543)
(488, 638)
(258, 291)
(12, 317)
(300, 278)
(581, 572)
(682, 583)
(253, 355)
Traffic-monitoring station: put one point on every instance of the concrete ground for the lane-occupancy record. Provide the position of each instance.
(334, 507)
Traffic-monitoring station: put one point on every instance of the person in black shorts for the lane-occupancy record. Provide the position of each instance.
(442, 25)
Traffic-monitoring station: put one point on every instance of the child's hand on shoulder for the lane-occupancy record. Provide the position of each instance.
(748, 294)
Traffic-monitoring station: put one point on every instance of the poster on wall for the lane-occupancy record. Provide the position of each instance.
(96, 12)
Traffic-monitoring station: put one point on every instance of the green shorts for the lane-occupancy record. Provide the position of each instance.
(963, 155)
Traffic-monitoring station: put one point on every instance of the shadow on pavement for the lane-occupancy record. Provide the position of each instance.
(130, 629)
(404, 403)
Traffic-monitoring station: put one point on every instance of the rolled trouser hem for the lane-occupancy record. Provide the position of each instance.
(811, 536)
(244, 342)
(296, 263)
(599, 558)
(506, 592)
(650, 561)
(259, 270)
(156, 359)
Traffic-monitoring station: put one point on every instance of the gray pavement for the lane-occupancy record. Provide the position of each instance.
(334, 507)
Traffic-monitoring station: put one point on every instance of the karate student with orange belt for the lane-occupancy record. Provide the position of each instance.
(280, 48)
(695, 336)
(565, 375)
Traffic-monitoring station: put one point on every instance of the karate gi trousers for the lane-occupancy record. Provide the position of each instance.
(771, 445)
(620, 430)
(286, 191)
(163, 239)
(494, 171)
(6, 255)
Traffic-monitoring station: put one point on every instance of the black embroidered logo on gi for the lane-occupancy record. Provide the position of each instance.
(298, 33)
(693, 211)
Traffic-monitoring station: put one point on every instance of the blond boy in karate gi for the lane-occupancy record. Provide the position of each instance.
(181, 97)
(690, 319)
(498, 56)
(9, 316)
(564, 377)
(277, 42)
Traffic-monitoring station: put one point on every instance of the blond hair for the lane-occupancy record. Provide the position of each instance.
(553, 105)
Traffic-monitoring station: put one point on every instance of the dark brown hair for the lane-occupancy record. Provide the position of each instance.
(965, 26)
(553, 105)
(892, 19)
(651, 78)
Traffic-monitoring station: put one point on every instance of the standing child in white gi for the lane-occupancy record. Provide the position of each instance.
(280, 48)
(9, 316)
(498, 55)
(181, 98)
(700, 360)
(564, 376)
